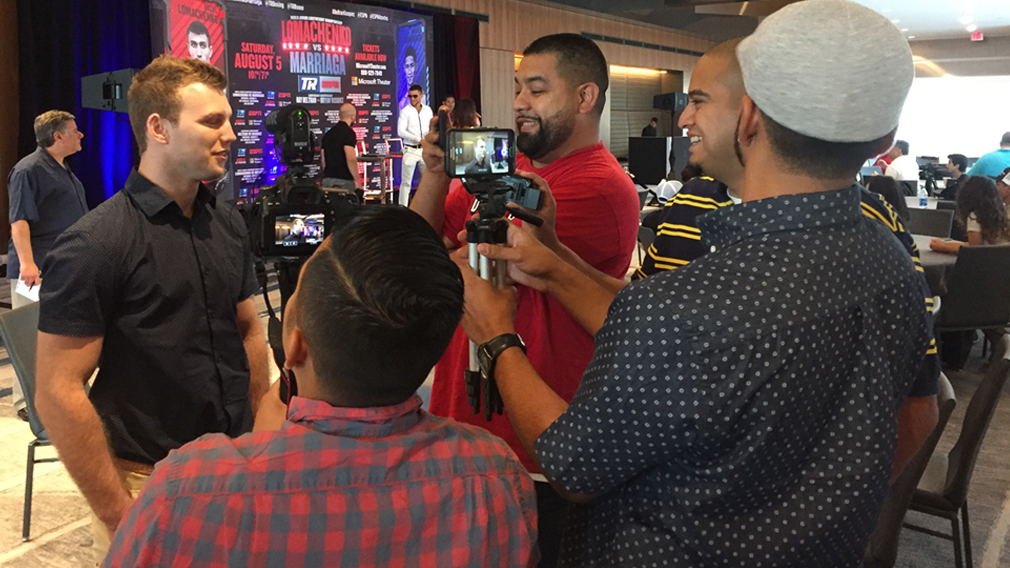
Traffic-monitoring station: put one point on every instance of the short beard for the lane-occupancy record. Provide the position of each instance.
(551, 134)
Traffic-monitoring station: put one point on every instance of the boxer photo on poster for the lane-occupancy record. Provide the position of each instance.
(411, 57)
(196, 30)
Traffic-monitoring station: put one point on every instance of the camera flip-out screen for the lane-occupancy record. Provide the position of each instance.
(480, 152)
(299, 230)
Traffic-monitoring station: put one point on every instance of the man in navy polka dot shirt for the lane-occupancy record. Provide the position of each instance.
(741, 410)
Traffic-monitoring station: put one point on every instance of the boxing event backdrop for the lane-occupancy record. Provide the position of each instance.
(318, 54)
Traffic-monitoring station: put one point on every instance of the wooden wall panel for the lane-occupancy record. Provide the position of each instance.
(8, 102)
(496, 87)
(515, 23)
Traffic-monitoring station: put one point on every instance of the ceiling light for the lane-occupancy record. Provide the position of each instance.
(911, 37)
(895, 21)
(965, 20)
(904, 29)
(972, 28)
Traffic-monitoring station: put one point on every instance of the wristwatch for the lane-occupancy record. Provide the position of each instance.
(487, 353)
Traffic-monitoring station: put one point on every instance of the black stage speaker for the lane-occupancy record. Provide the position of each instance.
(107, 91)
(674, 102)
(648, 158)
(681, 154)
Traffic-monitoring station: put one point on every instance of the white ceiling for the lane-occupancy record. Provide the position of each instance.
(942, 19)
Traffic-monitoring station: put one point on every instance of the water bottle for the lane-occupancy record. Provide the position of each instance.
(923, 199)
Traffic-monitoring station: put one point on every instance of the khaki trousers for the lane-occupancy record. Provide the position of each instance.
(101, 539)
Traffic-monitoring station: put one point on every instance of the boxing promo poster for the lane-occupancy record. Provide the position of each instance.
(317, 54)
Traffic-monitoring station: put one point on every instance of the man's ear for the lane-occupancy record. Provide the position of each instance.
(751, 122)
(296, 349)
(157, 128)
(589, 93)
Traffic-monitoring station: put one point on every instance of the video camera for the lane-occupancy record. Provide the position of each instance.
(485, 159)
(291, 218)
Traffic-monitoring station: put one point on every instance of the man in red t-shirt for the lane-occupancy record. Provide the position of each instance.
(561, 89)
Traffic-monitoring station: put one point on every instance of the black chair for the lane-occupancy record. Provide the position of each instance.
(978, 290)
(946, 205)
(943, 489)
(19, 329)
(647, 232)
(882, 550)
(911, 187)
(646, 237)
(932, 222)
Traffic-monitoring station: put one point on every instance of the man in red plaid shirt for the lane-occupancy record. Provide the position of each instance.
(358, 475)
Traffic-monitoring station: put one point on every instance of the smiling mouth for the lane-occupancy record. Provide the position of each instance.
(527, 123)
(695, 140)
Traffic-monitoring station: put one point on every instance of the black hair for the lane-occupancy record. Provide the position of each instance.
(978, 195)
(902, 145)
(892, 192)
(816, 158)
(197, 28)
(465, 115)
(579, 61)
(690, 171)
(410, 53)
(415, 87)
(654, 119)
(378, 304)
(960, 161)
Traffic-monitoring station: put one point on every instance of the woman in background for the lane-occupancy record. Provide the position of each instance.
(981, 211)
(465, 115)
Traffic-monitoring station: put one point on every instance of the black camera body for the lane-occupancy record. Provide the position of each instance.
(293, 217)
(518, 190)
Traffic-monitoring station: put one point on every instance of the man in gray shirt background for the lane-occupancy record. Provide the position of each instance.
(45, 198)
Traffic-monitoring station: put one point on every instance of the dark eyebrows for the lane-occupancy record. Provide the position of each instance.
(214, 117)
(698, 93)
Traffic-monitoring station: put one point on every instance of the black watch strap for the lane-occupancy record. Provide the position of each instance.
(490, 351)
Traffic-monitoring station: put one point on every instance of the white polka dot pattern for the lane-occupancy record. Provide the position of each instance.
(741, 411)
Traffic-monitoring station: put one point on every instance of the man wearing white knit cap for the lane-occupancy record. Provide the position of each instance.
(741, 410)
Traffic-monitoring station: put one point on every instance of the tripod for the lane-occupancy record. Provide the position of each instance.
(490, 227)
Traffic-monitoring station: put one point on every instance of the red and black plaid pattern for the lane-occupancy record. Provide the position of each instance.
(390, 486)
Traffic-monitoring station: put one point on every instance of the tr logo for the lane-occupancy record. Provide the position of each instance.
(308, 83)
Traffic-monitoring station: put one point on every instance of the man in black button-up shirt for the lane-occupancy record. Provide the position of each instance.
(45, 198)
(157, 282)
(742, 410)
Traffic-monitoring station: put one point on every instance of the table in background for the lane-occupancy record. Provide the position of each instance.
(935, 264)
(384, 171)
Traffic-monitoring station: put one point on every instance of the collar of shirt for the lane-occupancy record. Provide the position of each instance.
(371, 422)
(49, 159)
(152, 200)
(730, 225)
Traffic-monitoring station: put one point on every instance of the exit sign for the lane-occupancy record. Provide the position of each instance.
(977, 36)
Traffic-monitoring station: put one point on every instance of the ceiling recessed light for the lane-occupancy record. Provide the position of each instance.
(911, 37)
(895, 21)
(972, 28)
(904, 29)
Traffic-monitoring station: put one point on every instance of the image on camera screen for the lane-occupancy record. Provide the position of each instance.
(480, 153)
(297, 230)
